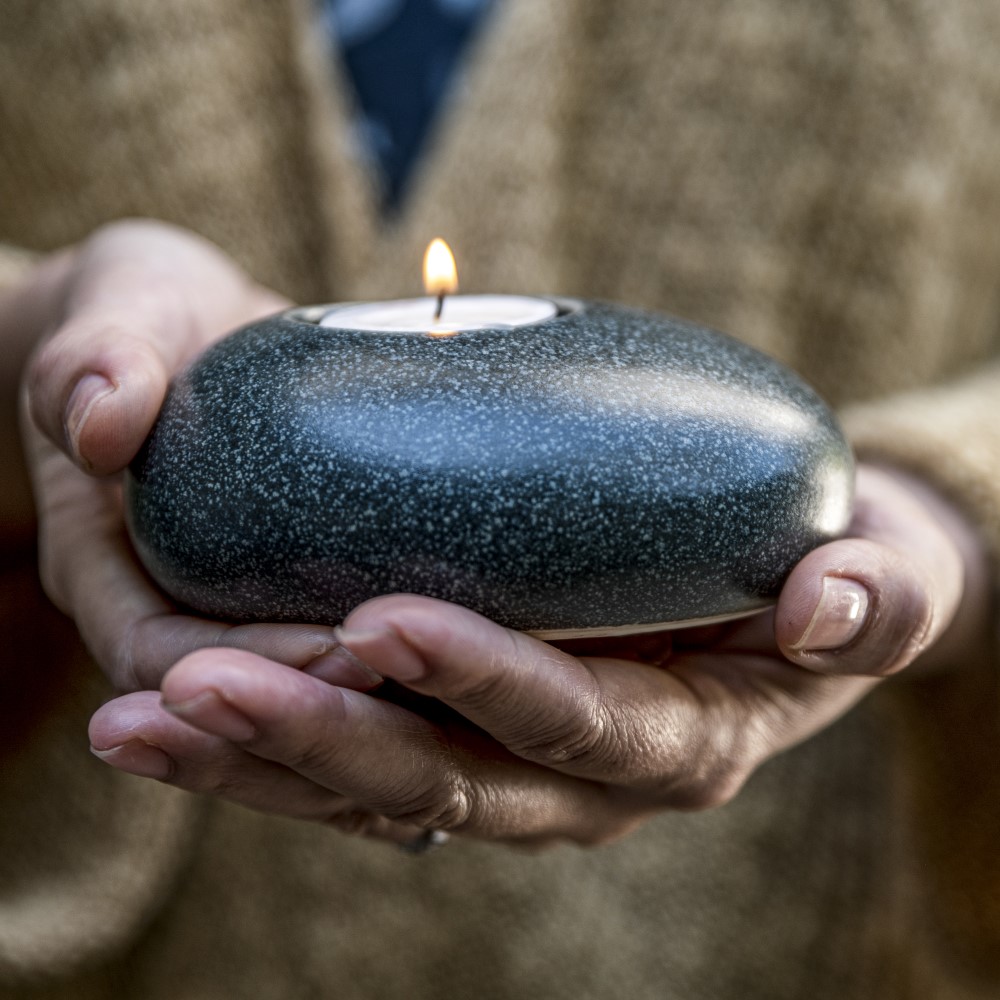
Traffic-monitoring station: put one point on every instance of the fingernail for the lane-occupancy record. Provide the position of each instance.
(403, 663)
(341, 668)
(136, 757)
(838, 618)
(87, 393)
(209, 710)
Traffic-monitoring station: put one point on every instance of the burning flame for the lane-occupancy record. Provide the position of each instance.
(440, 270)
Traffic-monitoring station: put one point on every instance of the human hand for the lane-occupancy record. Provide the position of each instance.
(115, 318)
(507, 738)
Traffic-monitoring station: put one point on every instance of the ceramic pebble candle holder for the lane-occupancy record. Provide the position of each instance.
(603, 471)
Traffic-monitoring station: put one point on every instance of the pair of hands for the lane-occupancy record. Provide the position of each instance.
(417, 714)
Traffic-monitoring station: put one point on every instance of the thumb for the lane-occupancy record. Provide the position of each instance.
(142, 298)
(871, 604)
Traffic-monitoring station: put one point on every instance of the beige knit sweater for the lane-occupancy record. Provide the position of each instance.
(821, 179)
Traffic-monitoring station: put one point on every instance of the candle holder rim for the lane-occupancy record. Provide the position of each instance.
(313, 315)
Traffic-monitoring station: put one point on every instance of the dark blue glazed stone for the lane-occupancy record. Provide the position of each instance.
(606, 470)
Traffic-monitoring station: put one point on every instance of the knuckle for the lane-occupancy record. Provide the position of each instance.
(713, 787)
(494, 688)
(584, 733)
(712, 779)
(310, 756)
(497, 687)
(606, 739)
(572, 741)
(708, 769)
(119, 344)
(490, 691)
(127, 659)
(109, 340)
(223, 784)
(447, 806)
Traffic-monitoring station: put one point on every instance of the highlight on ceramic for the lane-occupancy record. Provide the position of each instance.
(601, 471)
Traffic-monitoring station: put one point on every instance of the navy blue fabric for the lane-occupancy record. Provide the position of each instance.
(402, 56)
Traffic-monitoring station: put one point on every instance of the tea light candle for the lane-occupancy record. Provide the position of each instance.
(462, 313)
(429, 315)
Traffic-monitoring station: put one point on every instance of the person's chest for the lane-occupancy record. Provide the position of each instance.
(783, 175)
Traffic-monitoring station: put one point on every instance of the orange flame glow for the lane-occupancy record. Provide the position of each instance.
(440, 270)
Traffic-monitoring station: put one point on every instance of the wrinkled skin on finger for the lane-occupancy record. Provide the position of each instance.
(492, 734)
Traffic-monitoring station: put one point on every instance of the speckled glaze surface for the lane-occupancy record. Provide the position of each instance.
(605, 470)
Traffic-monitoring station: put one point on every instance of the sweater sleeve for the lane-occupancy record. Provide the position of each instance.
(948, 434)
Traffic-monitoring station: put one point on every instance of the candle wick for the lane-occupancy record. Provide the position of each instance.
(440, 306)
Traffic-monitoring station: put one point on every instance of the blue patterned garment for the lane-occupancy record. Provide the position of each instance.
(402, 56)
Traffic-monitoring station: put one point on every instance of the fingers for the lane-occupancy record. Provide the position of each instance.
(541, 703)
(854, 607)
(387, 760)
(600, 719)
(155, 644)
(143, 297)
(134, 734)
(871, 605)
(686, 736)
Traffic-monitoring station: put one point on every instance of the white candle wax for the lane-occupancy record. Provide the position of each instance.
(461, 312)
